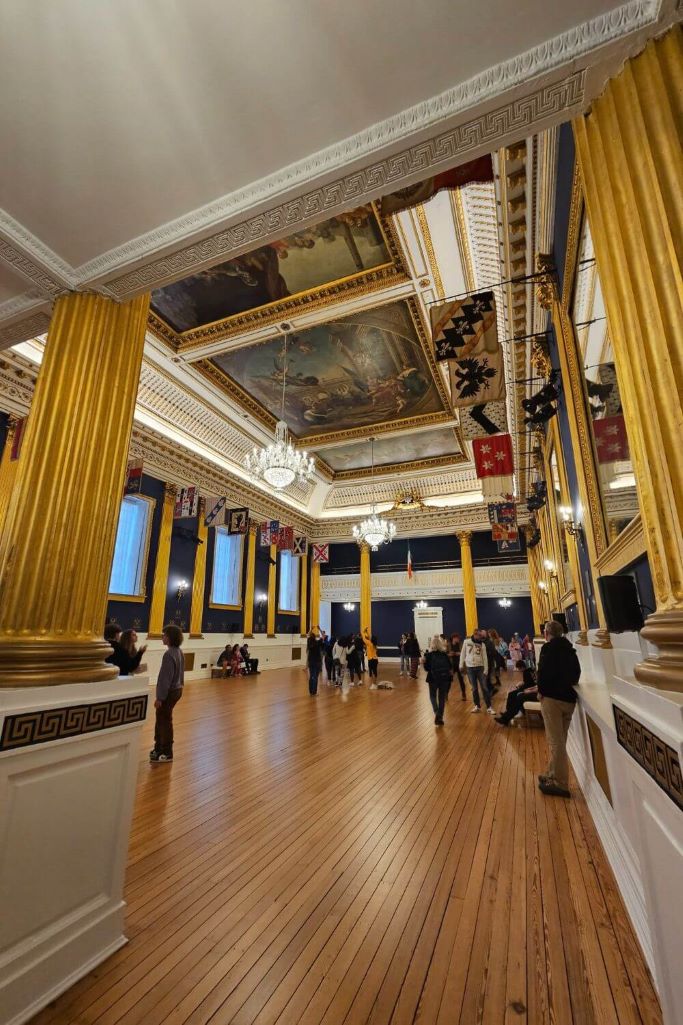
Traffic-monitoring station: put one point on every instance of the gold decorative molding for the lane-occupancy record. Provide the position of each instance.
(628, 546)
(429, 249)
(545, 286)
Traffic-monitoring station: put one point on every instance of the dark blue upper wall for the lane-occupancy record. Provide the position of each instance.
(426, 553)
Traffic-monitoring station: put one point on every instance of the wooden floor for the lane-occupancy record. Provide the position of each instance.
(340, 859)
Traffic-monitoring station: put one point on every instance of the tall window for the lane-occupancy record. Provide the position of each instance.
(289, 582)
(226, 585)
(130, 552)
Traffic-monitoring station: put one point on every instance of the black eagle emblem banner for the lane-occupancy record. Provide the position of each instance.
(466, 327)
(477, 380)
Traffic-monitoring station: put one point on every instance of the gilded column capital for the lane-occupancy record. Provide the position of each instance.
(546, 288)
(170, 491)
(464, 537)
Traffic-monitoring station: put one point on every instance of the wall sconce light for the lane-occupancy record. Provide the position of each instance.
(573, 528)
(182, 588)
(349, 606)
(420, 605)
(549, 565)
(542, 586)
(261, 598)
(505, 603)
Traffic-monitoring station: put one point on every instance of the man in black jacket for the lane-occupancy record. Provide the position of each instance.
(559, 670)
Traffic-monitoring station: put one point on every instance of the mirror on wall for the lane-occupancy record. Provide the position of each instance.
(615, 470)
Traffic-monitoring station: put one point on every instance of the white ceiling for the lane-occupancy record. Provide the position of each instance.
(129, 114)
(143, 139)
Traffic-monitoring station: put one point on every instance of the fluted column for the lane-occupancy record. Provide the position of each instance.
(160, 586)
(533, 586)
(631, 161)
(60, 529)
(272, 592)
(199, 576)
(8, 471)
(303, 605)
(315, 594)
(468, 585)
(365, 589)
(251, 582)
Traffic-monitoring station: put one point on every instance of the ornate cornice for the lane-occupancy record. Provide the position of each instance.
(476, 134)
(511, 580)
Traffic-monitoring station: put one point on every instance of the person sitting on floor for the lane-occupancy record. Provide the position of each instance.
(250, 663)
(524, 691)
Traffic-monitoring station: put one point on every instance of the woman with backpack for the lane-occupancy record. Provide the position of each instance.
(439, 676)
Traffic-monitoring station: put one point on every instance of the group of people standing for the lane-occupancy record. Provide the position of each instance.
(340, 656)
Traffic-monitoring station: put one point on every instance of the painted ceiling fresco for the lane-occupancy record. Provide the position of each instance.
(365, 369)
(406, 448)
(339, 248)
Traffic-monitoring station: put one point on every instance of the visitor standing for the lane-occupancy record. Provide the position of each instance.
(405, 661)
(439, 676)
(338, 662)
(474, 660)
(559, 671)
(168, 693)
(373, 661)
(314, 661)
(454, 648)
(412, 650)
(492, 675)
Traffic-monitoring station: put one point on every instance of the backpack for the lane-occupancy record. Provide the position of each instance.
(440, 668)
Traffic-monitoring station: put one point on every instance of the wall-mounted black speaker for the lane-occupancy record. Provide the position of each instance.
(560, 617)
(620, 601)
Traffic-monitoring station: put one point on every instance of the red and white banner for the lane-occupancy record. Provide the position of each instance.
(285, 539)
(493, 457)
(19, 429)
(187, 503)
(321, 553)
(611, 441)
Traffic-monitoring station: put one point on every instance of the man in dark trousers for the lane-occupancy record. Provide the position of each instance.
(559, 671)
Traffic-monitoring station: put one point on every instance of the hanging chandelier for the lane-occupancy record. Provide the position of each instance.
(374, 531)
(279, 463)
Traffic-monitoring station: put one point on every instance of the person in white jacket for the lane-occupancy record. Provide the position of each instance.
(473, 658)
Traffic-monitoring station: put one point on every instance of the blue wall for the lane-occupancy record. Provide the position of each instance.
(391, 618)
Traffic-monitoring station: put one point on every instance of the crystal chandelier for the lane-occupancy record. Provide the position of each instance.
(280, 463)
(374, 531)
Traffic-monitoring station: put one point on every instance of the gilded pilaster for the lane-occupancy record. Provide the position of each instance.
(533, 586)
(631, 161)
(8, 471)
(315, 595)
(60, 528)
(251, 582)
(272, 592)
(199, 576)
(160, 585)
(468, 585)
(365, 589)
(303, 605)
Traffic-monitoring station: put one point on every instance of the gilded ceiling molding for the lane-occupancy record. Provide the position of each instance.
(417, 465)
(429, 249)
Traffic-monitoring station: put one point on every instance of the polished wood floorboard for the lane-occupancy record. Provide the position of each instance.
(340, 859)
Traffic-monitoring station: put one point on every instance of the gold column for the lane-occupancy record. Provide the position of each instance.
(8, 470)
(468, 586)
(251, 581)
(60, 528)
(272, 592)
(199, 577)
(160, 586)
(533, 585)
(315, 594)
(630, 156)
(365, 589)
(303, 606)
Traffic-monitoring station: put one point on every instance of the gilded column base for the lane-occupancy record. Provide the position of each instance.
(43, 663)
(154, 636)
(602, 639)
(197, 637)
(248, 637)
(665, 669)
(582, 638)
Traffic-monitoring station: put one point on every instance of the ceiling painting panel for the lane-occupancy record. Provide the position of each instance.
(338, 250)
(395, 450)
(363, 371)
